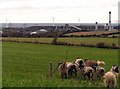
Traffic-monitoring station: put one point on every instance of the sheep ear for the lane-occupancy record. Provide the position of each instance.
(113, 68)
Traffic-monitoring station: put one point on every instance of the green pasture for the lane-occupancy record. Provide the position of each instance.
(71, 40)
(27, 64)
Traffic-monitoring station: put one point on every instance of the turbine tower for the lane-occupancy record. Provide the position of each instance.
(110, 28)
(6, 25)
(53, 21)
(79, 21)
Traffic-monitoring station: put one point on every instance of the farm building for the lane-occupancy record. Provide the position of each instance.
(39, 31)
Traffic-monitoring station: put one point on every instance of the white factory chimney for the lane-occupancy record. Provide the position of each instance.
(96, 26)
(110, 28)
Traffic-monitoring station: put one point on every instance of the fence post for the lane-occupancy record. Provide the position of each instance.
(50, 71)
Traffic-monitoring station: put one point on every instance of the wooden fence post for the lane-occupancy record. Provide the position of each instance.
(50, 71)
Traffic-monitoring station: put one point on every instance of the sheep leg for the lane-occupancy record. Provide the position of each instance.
(107, 86)
(88, 76)
(65, 76)
(112, 87)
(69, 73)
(75, 74)
(99, 78)
(62, 76)
(84, 76)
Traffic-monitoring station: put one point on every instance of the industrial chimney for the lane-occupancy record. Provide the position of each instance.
(110, 28)
(96, 26)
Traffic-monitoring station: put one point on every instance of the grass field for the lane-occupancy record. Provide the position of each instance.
(71, 40)
(26, 65)
(91, 33)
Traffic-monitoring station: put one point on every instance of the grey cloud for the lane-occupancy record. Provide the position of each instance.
(18, 8)
(25, 7)
(11, 0)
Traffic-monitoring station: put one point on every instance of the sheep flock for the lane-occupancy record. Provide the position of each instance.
(90, 69)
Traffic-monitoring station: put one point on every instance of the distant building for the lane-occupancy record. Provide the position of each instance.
(106, 27)
(39, 31)
(1, 32)
(33, 33)
(42, 31)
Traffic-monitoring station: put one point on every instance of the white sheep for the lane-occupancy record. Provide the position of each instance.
(100, 71)
(80, 63)
(110, 77)
(71, 68)
(100, 62)
(63, 69)
(89, 71)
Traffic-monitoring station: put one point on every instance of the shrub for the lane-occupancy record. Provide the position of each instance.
(54, 42)
(100, 45)
(61, 43)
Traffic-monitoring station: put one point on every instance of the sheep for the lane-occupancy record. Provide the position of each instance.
(63, 69)
(118, 74)
(67, 68)
(115, 69)
(100, 71)
(80, 63)
(71, 68)
(88, 71)
(90, 63)
(110, 77)
(100, 62)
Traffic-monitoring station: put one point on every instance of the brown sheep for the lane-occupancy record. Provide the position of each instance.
(90, 63)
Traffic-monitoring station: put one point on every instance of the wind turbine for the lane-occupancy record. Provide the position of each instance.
(79, 21)
(6, 24)
(53, 21)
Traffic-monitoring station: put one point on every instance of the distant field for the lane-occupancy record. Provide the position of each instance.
(26, 65)
(91, 33)
(71, 40)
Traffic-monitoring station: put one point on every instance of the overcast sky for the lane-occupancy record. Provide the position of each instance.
(64, 11)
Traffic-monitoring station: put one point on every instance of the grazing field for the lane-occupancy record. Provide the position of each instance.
(26, 65)
(91, 33)
(70, 40)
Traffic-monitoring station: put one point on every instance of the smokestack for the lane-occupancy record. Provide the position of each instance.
(96, 26)
(110, 21)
